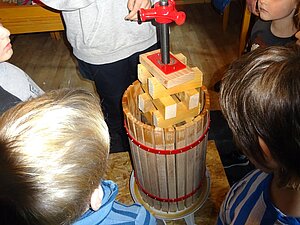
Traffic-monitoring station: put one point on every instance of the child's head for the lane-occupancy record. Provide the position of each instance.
(260, 100)
(53, 155)
(278, 9)
(5, 46)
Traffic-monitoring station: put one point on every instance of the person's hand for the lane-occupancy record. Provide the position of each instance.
(133, 7)
(297, 35)
(251, 5)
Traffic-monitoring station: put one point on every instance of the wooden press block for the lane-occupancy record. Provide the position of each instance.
(157, 90)
(145, 103)
(166, 106)
(147, 118)
(143, 74)
(182, 114)
(190, 98)
(181, 58)
(168, 80)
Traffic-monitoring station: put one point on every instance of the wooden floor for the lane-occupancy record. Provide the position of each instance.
(201, 39)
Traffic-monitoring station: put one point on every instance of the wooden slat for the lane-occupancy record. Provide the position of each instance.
(139, 163)
(152, 166)
(143, 155)
(161, 167)
(203, 122)
(204, 144)
(157, 90)
(190, 161)
(180, 165)
(171, 167)
(200, 155)
(134, 151)
(133, 92)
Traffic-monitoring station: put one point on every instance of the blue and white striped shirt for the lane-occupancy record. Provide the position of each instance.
(115, 213)
(248, 202)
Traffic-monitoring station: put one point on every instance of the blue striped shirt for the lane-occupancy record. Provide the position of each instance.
(112, 212)
(248, 202)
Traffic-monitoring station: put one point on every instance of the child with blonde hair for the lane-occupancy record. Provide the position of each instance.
(54, 151)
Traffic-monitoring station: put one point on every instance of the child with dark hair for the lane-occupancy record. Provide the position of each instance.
(260, 100)
(277, 25)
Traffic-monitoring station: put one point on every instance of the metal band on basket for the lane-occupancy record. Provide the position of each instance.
(168, 151)
(167, 199)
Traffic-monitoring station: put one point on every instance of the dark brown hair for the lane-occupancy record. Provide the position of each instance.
(260, 97)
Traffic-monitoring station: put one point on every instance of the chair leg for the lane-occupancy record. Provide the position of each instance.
(55, 35)
(244, 30)
(226, 17)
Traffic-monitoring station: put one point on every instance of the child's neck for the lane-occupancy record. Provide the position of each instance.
(284, 27)
(285, 199)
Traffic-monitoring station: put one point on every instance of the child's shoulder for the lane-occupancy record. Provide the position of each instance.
(11, 73)
(253, 179)
(262, 36)
(252, 185)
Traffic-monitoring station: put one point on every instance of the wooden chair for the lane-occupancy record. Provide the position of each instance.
(244, 28)
(30, 18)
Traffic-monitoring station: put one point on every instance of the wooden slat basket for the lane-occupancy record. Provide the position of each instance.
(169, 163)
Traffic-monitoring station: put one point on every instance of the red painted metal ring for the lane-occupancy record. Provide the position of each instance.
(168, 151)
(167, 199)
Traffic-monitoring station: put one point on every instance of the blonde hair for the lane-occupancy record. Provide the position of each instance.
(54, 150)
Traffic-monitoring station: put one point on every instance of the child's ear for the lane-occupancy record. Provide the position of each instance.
(96, 198)
(267, 154)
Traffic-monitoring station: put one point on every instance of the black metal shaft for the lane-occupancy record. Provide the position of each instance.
(164, 43)
(164, 38)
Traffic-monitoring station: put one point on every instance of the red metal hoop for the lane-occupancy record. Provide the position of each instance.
(168, 151)
(167, 199)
